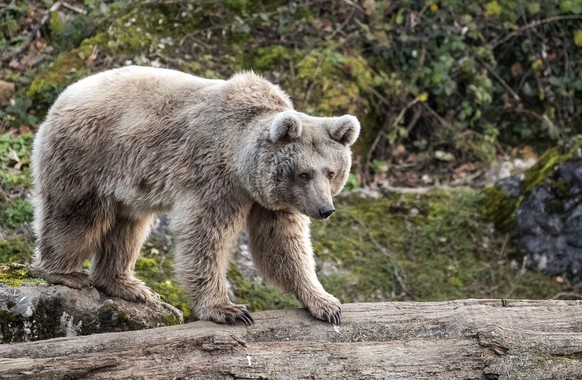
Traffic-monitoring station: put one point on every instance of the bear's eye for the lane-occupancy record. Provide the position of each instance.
(330, 175)
(305, 176)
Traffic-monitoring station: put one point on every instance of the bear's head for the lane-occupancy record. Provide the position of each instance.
(299, 161)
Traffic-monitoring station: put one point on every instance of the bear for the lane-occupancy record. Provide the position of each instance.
(123, 145)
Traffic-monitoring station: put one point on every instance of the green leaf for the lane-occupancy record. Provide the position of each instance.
(578, 37)
(533, 8)
(566, 5)
(492, 8)
(444, 156)
(400, 16)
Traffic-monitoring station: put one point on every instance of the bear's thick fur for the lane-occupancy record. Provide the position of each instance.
(120, 146)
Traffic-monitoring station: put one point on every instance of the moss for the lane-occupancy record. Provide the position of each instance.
(547, 163)
(431, 246)
(258, 295)
(155, 267)
(500, 208)
(335, 82)
(52, 79)
(11, 327)
(17, 274)
(47, 319)
(111, 319)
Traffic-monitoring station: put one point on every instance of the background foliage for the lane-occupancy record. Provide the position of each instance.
(437, 84)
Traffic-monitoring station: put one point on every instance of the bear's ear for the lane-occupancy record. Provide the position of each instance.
(285, 127)
(345, 130)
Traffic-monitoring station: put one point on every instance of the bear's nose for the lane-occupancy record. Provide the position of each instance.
(326, 211)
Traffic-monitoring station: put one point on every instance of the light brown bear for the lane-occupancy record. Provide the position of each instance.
(120, 146)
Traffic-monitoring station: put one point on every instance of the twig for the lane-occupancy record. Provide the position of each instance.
(32, 35)
(434, 113)
(501, 81)
(534, 24)
(354, 5)
(341, 26)
(73, 8)
(310, 88)
(518, 278)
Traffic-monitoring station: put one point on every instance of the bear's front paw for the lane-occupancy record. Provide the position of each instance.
(325, 307)
(229, 313)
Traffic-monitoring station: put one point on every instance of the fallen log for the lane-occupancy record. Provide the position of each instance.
(463, 339)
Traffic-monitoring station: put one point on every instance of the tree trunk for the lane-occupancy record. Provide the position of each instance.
(464, 339)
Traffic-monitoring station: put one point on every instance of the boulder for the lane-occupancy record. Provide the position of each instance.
(543, 208)
(34, 310)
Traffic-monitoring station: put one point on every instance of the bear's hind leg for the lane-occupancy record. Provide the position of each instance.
(67, 235)
(113, 264)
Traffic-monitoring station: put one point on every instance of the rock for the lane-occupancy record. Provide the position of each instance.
(544, 208)
(32, 312)
(6, 92)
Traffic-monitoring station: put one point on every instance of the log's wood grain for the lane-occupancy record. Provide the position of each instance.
(464, 339)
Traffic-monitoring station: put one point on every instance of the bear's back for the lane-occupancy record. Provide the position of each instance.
(133, 85)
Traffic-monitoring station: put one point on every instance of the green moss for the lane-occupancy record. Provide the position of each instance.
(17, 274)
(431, 246)
(47, 315)
(16, 248)
(500, 208)
(155, 267)
(265, 58)
(335, 82)
(258, 295)
(11, 327)
(65, 69)
(547, 163)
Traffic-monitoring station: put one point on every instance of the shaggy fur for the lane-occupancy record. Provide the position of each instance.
(120, 146)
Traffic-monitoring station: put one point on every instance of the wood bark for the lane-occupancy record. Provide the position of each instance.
(463, 339)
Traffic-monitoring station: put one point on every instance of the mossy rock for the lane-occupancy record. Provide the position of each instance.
(32, 312)
(501, 204)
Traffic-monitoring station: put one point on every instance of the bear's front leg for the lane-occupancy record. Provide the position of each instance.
(280, 245)
(204, 235)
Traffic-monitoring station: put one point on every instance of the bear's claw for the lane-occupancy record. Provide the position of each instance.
(334, 318)
(325, 307)
(227, 314)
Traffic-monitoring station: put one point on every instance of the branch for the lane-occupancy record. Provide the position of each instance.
(463, 339)
(32, 35)
(534, 24)
(501, 81)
